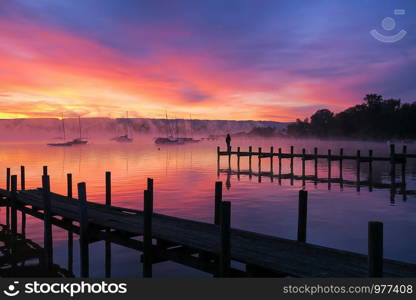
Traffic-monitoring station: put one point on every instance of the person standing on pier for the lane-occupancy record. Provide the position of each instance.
(228, 141)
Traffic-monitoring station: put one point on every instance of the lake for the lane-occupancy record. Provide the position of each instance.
(184, 178)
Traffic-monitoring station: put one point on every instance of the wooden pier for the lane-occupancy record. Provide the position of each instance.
(394, 159)
(209, 247)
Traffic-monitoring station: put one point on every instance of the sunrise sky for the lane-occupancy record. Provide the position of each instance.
(238, 60)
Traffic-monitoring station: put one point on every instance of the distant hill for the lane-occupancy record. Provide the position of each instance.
(98, 128)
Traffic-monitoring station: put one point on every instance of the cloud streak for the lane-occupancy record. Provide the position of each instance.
(277, 60)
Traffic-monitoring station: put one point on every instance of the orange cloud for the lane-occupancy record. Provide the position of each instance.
(45, 72)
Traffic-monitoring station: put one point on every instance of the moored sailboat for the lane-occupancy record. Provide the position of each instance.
(63, 144)
(124, 138)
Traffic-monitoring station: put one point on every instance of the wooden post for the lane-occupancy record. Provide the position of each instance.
(13, 198)
(329, 164)
(259, 156)
(217, 203)
(218, 159)
(107, 243)
(69, 185)
(225, 244)
(23, 187)
(315, 152)
(370, 170)
(83, 230)
(271, 161)
(303, 163)
(358, 169)
(393, 167)
(8, 179)
(375, 249)
(45, 170)
(147, 234)
(22, 178)
(70, 234)
(229, 157)
(47, 222)
(250, 151)
(291, 159)
(7, 205)
(280, 163)
(238, 159)
(302, 215)
(108, 188)
(7, 215)
(341, 155)
(404, 172)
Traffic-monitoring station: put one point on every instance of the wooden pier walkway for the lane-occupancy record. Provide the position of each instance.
(394, 159)
(204, 246)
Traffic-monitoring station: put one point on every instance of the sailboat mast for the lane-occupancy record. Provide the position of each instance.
(126, 128)
(190, 125)
(79, 125)
(63, 126)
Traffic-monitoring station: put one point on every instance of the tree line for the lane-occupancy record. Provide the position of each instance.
(375, 118)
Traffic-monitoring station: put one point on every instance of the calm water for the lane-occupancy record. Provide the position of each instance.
(184, 186)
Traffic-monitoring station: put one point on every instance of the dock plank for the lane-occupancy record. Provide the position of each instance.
(276, 254)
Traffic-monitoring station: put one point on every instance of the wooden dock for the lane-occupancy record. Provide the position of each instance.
(204, 246)
(394, 159)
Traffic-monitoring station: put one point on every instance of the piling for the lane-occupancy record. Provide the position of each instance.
(47, 222)
(22, 178)
(291, 159)
(217, 203)
(83, 230)
(218, 157)
(259, 156)
(229, 157)
(303, 163)
(13, 204)
(302, 215)
(238, 159)
(271, 160)
(107, 243)
(358, 169)
(8, 179)
(403, 171)
(329, 164)
(70, 234)
(375, 249)
(225, 244)
(250, 153)
(147, 234)
(45, 170)
(13, 200)
(7, 206)
(393, 167)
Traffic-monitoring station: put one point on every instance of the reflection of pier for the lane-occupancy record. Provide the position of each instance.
(21, 257)
(394, 159)
(203, 246)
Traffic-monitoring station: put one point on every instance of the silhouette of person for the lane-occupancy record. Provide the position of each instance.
(228, 141)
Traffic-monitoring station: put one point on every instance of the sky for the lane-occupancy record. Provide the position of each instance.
(237, 60)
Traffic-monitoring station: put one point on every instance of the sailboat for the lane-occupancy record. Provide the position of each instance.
(80, 140)
(189, 139)
(124, 138)
(169, 139)
(63, 144)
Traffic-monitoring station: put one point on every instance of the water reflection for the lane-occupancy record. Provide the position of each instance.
(184, 187)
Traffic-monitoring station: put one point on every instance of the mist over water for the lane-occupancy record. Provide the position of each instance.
(184, 177)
